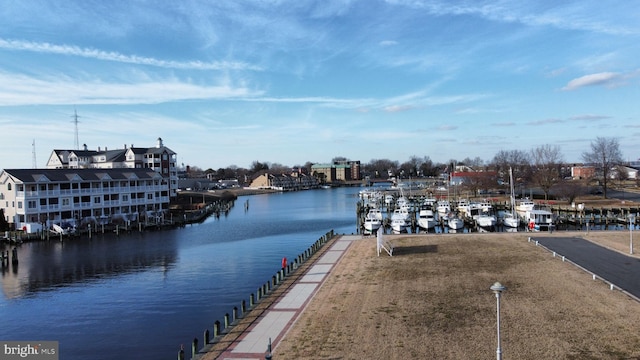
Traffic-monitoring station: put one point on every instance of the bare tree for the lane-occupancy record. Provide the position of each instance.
(518, 160)
(605, 154)
(547, 161)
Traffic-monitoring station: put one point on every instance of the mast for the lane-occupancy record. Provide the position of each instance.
(511, 189)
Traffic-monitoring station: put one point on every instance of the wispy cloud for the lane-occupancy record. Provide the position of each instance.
(609, 79)
(71, 50)
(26, 90)
(388, 43)
(545, 122)
(589, 117)
(570, 16)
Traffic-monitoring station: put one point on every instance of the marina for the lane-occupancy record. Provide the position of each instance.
(481, 215)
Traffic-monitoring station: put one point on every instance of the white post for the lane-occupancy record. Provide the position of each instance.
(497, 289)
(631, 218)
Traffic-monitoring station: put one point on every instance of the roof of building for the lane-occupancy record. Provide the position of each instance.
(55, 175)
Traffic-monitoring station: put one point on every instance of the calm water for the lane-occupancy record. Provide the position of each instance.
(142, 295)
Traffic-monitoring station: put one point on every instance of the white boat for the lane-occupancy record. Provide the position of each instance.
(485, 205)
(510, 219)
(481, 217)
(444, 207)
(398, 225)
(539, 220)
(426, 217)
(371, 224)
(454, 222)
(376, 213)
(401, 213)
(463, 206)
(486, 221)
(524, 205)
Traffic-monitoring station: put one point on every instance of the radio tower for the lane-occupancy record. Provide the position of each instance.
(33, 144)
(75, 122)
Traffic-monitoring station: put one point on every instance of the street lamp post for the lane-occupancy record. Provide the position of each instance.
(497, 289)
(632, 219)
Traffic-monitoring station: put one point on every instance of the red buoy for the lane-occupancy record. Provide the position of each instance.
(284, 262)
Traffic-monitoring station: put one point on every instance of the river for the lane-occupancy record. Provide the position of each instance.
(142, 295)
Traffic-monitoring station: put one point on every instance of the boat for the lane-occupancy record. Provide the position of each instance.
(444, 207)
(376, 213)
(426, 217)
(524, 205)
(398, 225)
(371, 222)
(454, 222)
(401, 213)
(539, 220)
(510, 219)
(480, 216)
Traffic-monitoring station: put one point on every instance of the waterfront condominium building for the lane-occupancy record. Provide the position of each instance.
(32, 197)
(159, 158)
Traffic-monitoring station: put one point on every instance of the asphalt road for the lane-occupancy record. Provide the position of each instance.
(621, 270)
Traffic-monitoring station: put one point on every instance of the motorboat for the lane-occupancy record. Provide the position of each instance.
(371, 223)
(401, 213)
(454, 222)
(481, 217)
(398, 225)
(426, 217)
(510, 220)
(539, 220)
(444, 207)
(525, 205)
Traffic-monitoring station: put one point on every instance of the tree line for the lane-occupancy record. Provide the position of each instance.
(543, 167)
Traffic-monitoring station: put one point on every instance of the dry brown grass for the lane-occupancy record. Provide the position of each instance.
(431, 300)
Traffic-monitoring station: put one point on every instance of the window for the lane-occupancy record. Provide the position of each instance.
(96, 200)
(31, 204)
(19, 204)
(149, 196)
(125, 197)
(65, 202)
(9, 186)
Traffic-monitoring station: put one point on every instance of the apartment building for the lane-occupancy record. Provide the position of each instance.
(284, 182)
(32, 197)
(159, 158)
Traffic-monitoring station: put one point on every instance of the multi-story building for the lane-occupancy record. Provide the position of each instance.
(160, 159)
(338, 171)
(32, 197)
(284, 182)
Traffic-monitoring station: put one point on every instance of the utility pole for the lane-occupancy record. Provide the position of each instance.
(75, 122)
(33, 151)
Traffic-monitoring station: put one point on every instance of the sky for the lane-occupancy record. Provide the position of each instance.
(227, 83)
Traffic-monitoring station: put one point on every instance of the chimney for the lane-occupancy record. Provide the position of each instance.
(84, 146)
(98, 148)
(159, 145)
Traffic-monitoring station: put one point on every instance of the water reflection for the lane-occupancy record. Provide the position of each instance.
(51, 264)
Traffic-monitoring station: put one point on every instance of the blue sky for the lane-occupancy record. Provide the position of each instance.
(231, 82)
